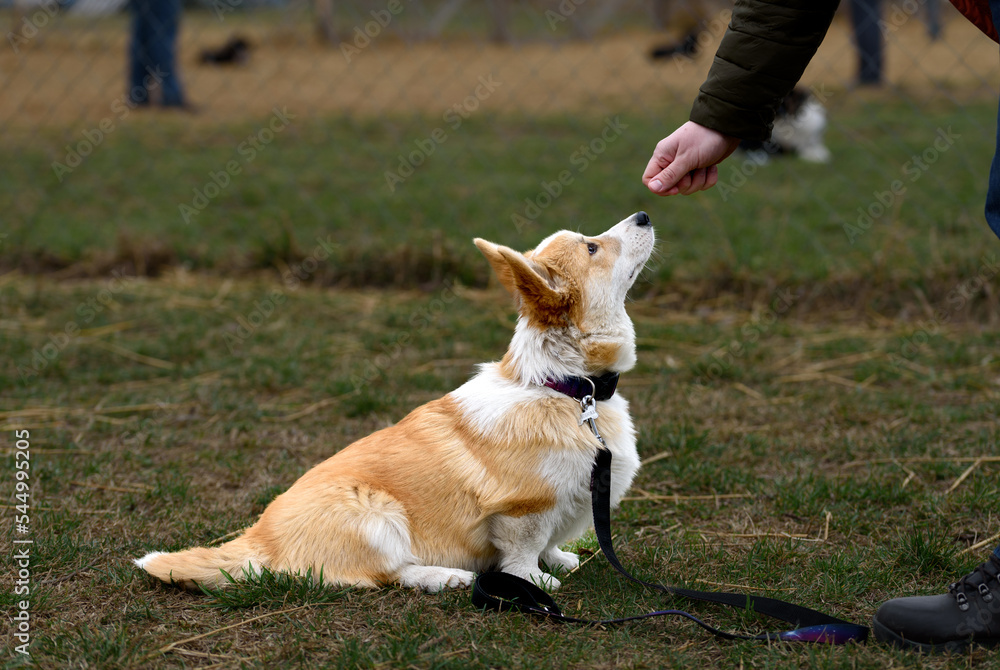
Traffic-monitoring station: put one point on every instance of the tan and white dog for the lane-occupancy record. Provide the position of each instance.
(494, 475)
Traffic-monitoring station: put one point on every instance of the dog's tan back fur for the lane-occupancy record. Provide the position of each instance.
(459, 486)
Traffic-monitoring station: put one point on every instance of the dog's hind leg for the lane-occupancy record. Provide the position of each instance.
(349, 531)
(359, 535)
(389, 538)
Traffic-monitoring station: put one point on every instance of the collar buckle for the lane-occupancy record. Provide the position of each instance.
(599, 388)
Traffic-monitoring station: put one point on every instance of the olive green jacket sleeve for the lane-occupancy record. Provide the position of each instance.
(762, 55)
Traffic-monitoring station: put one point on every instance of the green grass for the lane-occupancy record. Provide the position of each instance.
(319, 189)
(273, 589)
(830, 515)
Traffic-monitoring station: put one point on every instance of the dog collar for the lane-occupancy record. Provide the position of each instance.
(578, 388)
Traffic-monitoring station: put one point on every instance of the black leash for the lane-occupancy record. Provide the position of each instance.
(502, 592)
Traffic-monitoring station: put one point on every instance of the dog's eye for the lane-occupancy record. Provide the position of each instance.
(592, 248)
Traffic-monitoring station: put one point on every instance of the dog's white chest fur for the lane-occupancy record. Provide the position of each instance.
(501, 409)
(569, 471)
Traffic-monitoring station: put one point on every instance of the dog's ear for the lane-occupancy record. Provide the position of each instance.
(497, 262)
(525, 279)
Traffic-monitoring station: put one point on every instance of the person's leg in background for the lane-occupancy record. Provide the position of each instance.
(166, 21)
(153, 71)
(865, 19)
(138, 55)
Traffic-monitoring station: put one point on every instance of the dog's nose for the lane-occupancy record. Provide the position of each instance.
(641, 219)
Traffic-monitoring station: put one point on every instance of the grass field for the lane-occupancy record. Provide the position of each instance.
(817, 398)
(493, 177)
(809, 467)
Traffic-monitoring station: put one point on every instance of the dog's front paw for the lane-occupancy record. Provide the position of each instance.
(564, 560)
(455, 579)
(433, 578)
(544, 580)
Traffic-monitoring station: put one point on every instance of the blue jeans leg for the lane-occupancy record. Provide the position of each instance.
(865, 18)
(153, 51)
(138, 56)
(167, 19)
(993, 194)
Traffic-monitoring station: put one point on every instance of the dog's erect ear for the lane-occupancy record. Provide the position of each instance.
(524, 278)
(499, 264)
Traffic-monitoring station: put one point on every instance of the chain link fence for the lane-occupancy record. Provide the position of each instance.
(64, 64)
(407, 77)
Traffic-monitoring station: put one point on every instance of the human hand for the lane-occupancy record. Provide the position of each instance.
(687, 160)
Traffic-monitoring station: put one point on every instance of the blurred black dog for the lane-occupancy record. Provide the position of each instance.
(236, 51)
(688, 46)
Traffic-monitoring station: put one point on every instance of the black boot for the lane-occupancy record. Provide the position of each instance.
(968, 614)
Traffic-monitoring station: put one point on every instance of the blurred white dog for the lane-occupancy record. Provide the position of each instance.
(798, 130)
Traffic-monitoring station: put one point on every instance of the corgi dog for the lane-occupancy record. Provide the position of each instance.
(494, 475)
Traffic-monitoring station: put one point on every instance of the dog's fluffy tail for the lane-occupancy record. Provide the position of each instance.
(204, 565)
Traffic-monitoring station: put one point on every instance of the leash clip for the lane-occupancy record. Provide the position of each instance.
(588, 406)
(588, 409)
(588, 412)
